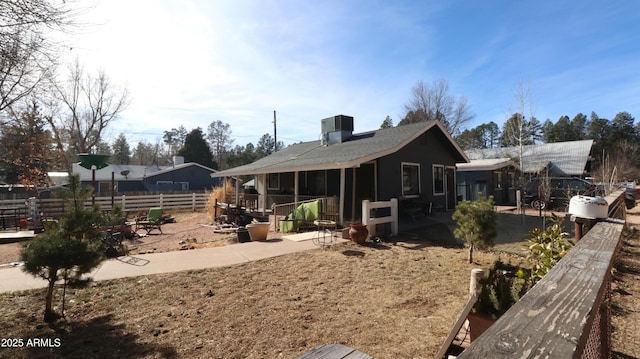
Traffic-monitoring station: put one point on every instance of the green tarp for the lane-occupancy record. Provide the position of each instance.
(305, 213)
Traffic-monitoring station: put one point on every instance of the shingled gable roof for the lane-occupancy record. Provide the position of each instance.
(358, 149)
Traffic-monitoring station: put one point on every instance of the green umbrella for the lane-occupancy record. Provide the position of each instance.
(88, 160)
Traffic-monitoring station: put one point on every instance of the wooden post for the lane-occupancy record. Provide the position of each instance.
(394, 214)
(577, 227)
(475, 287)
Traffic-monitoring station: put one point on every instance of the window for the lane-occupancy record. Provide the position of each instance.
(438, 179)
(184, 186)
(410, 179)
(274, 181)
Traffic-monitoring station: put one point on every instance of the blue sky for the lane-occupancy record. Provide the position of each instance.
(192, 62)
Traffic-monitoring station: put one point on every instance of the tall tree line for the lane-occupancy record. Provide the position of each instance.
(213, 149)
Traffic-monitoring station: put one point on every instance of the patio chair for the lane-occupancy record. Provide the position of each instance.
(151, 221)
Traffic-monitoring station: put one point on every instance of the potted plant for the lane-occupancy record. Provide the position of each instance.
(505, 284)
(358, 232)
(502, 287)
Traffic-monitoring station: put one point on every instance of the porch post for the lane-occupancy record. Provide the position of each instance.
(342, 186)
(224, 189)
(237, 192)
(295, 186)
(353, 196)
(264, 193)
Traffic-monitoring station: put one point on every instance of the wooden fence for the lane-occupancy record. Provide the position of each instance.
(371, 222)
(55, 207)
(567, 313)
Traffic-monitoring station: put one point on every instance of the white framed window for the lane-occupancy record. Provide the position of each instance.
(410, 179)
(438, 179)
(184, 186)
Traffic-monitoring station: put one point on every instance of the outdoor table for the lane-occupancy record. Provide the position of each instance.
(325, 227)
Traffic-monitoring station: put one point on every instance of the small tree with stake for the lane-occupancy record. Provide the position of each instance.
(72, 250)
(477, 222)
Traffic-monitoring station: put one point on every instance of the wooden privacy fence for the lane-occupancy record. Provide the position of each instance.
(55, 207)
(567, 313)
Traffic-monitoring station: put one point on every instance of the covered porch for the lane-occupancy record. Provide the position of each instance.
(278, 194)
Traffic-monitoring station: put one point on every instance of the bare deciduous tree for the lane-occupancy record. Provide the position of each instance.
(518, 130)
(27, 52)
(434, 102)
(89, 105)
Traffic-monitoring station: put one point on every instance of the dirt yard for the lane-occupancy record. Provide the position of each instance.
(194, 228)
(390, 300)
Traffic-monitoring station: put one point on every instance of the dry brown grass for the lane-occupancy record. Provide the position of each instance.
(217, 194)
(388, 300)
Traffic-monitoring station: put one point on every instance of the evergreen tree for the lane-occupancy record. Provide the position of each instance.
(121, 151)
(477, 224)
(69, 251)
(387, 123)
(266, 146)
(197, 150)
(25, 146)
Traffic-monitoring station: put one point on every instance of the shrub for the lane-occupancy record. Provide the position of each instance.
(547, 247)
(477, 222)
(218, 194)
(501, 289)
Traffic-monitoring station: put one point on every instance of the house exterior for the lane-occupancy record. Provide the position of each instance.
(135, 178)
(487, 177)
(410, 162)
(570, 158)
(496, 171)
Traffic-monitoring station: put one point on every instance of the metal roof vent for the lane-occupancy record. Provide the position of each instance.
(336, 129)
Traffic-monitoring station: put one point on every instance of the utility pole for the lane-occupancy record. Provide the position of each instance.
(275, 137)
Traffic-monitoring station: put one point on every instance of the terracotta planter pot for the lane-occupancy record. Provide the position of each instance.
(258, 231)
(358, 232)
(478, 324)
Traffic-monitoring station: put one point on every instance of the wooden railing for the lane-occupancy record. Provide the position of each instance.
(567, 313)
(329, 208)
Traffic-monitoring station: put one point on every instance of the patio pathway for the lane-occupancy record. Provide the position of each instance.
(14, 279)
